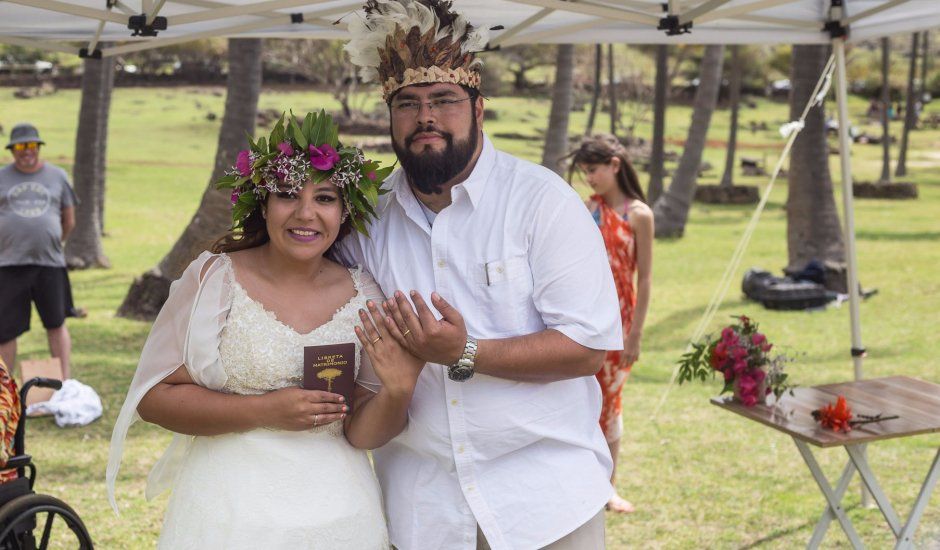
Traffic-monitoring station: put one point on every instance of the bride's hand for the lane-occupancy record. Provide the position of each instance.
(298, 409)
(397, 369)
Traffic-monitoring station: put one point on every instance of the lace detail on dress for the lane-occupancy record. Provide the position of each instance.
(260, 353)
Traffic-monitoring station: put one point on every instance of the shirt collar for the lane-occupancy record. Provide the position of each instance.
(474, 185)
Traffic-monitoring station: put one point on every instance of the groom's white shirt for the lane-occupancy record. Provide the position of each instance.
(516, 252)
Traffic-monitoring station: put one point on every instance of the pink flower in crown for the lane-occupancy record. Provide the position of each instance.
(371, 175)
(235, 194)
(243, 163)
(323, 157)
(285, 148)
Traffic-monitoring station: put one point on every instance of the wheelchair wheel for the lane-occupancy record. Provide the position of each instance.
(40, 522)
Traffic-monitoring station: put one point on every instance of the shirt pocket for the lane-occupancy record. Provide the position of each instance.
(503, 291)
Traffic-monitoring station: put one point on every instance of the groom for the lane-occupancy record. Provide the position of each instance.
(496, 276)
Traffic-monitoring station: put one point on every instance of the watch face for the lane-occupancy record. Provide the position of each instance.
(460, 373)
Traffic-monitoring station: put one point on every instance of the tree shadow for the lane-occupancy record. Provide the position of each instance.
(898, 236)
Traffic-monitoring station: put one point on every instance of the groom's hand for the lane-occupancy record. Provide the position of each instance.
(415, 328)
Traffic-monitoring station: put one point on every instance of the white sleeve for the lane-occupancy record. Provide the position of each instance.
(185, 333)
(366, 376)
(573, 288)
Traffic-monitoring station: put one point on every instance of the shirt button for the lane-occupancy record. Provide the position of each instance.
(441, 263)
(453, 402)
(499, 270)
(470, 488)
(460, 449)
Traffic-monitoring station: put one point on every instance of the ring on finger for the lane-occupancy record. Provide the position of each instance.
(316, 420)
(377, 338)
(407, 332)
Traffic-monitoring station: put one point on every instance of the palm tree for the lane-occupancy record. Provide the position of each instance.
(556, 138)
(612, 90)
(671, 211)
(727, 179)
(813, 229)
(596, 93)
(658, 153)
(84, 248)
(885, 101)
(213, 218)
(910, 117)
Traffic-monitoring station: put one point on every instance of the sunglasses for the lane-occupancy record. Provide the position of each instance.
(31, 146)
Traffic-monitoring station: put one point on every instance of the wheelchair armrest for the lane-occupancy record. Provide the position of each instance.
(19, 461)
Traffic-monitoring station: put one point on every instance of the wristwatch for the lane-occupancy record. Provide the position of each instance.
(462, 370)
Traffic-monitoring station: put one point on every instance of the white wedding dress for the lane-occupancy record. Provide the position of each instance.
(268, 488)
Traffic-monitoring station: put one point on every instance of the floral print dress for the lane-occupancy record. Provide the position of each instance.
(621, 251)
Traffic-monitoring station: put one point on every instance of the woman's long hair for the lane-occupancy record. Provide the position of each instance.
(601, 149)
(254, 233)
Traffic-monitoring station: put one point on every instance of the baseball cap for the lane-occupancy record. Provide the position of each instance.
(24, 133)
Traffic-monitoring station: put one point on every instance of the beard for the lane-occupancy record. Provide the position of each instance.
(429, 170)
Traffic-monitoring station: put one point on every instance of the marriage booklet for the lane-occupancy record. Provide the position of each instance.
(331, 368)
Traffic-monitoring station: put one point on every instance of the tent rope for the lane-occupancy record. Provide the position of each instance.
(792, 130)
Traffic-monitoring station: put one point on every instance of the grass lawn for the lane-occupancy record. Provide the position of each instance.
(699, 477)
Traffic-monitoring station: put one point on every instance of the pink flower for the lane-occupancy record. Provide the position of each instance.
(285, 148)
(235, 195)
(371, 175)
(243, 163)
(323, 157)
(757, 339)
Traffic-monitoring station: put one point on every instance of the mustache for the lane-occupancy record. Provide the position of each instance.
(428, 130)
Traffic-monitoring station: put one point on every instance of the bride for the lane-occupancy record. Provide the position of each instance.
(257, 461)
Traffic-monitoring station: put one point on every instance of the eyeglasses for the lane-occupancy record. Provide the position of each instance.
(31, 146)
(441, 106)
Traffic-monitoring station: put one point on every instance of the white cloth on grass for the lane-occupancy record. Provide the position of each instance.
(76, 404)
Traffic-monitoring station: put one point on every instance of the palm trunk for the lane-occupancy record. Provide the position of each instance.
(813, 228)
(885, 101)
(213, 218)
(612, 90)
(727, 179)
(556, 138)
(596, 94)
(84, 249)
(658, 149)
(924, 63)
(909, 114)
(671, 211)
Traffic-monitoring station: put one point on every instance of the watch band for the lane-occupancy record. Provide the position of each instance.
(462, 370)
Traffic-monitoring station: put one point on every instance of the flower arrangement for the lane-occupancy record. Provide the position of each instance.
(742, 355)
(297, 153)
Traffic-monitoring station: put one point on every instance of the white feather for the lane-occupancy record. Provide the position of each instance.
(476, 41)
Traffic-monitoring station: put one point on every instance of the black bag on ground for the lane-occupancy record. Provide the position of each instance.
(784, 292)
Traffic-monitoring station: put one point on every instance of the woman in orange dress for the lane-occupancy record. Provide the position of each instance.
(626, 223)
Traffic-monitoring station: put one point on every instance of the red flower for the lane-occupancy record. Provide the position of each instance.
(835, 417)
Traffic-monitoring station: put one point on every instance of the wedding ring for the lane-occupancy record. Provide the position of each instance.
(316, 418)
(377, 338)
(407, 332)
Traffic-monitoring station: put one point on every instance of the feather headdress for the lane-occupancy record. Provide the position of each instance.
(405, 42)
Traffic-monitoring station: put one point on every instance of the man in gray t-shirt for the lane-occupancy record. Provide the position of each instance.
(37, 212)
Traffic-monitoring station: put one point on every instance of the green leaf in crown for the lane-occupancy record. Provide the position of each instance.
(296, 153)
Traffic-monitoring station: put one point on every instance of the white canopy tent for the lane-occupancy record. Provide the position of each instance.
(79, 26)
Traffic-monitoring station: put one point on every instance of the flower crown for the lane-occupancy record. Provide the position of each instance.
(297, 153)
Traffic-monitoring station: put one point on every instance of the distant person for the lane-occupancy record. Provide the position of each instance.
(626, 223)
(37, 213)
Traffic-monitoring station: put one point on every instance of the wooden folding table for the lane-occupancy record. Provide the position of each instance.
(916, 402)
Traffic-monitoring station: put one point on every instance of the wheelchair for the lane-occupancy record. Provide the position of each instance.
(31, 521)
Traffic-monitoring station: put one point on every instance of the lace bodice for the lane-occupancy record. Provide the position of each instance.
(260, 353)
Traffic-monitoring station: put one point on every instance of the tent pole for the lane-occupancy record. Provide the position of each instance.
(845, 156)
(847, 202)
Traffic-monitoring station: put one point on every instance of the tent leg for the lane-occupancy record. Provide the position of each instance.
(845, 156)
